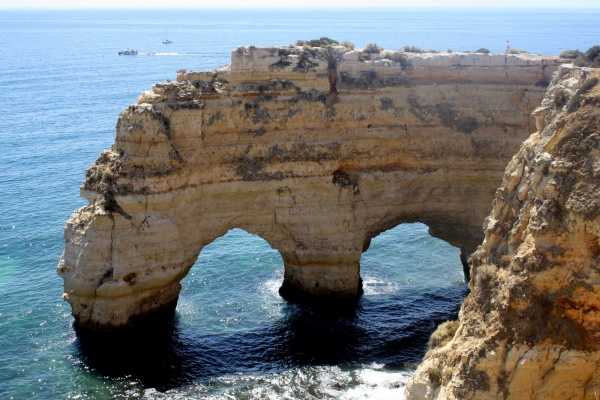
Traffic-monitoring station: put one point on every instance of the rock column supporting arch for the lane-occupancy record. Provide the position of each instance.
(268, 146)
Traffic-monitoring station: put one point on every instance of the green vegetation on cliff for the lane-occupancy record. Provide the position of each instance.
(591, 58)
(322, 42)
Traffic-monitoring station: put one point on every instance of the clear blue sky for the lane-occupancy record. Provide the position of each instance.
(4, 4)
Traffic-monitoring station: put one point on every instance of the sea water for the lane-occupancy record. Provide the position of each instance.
(63, 86)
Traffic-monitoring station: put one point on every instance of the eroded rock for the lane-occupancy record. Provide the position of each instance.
(529, 329)
(315, 151)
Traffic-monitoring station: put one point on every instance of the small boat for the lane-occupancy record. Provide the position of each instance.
(167, 41)
(128, 52)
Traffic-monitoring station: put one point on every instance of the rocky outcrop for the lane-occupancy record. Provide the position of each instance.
(530, 327)
(315, 150)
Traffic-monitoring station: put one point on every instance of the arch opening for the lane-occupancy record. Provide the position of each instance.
(231, 321)
(414, 279)
(408, 253)
(234, 280)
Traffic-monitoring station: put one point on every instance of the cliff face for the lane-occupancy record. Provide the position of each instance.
(315, 150)
(531, 326)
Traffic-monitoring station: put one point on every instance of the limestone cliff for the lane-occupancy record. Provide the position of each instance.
(530, 328)
(315, 150)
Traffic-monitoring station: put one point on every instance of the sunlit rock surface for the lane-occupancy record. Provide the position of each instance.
(315, 150)
(530, 329)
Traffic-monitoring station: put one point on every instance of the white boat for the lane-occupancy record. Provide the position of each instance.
(128, 52)
(167, 41)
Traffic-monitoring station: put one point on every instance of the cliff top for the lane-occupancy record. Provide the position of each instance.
(319, 59)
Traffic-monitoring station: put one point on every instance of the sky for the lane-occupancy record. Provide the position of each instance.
(8, 4)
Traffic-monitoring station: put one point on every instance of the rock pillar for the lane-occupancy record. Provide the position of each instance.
(326, 274)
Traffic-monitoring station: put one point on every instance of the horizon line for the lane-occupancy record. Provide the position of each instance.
(296, 7)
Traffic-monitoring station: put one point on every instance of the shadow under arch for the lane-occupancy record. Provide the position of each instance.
(244, 326)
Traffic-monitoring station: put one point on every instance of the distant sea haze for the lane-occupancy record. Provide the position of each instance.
(63, 88)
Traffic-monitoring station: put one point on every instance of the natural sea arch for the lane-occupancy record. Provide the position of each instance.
(412, 282)
(408, 256)
(316, 166)
(232, 289)
(231, 320)
(235, 279)
(243, 266)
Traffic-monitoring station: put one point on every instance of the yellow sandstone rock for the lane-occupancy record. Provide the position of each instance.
(317, 151)
(530, 327)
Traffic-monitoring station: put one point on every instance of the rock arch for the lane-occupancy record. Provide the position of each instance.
(397, 248)
(269, 147)
(228, 268)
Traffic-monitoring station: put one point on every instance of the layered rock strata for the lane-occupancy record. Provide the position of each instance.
(314, 150)
(530, 327)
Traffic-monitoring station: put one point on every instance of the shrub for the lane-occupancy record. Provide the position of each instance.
(573, 54)
(483, 276)
(482, 50)
(575, 101)
(322, 42)
(400, 58)
(432, 51)
(412, 49)
(435, 375)
(591, 58)
(443, 334)
(561, 98)
(516, 51)
(449, 51)
(593, 52)
(372, 48)
(347, 44)
(448, 374)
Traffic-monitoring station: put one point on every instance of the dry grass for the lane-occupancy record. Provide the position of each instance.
(347, 44)
(571, 54)
(435, 375)
(443, 334)
(575, 101)
(484, 275)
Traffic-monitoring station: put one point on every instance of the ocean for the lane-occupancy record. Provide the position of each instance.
(233, 336)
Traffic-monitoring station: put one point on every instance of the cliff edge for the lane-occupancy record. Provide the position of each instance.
(530, 327)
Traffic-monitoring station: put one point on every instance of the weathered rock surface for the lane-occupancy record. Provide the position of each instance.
(315, 150)
(530, 327)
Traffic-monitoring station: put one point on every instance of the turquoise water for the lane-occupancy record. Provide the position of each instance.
(63, 87)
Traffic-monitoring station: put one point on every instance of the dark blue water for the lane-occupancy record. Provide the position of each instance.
(63, 87)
